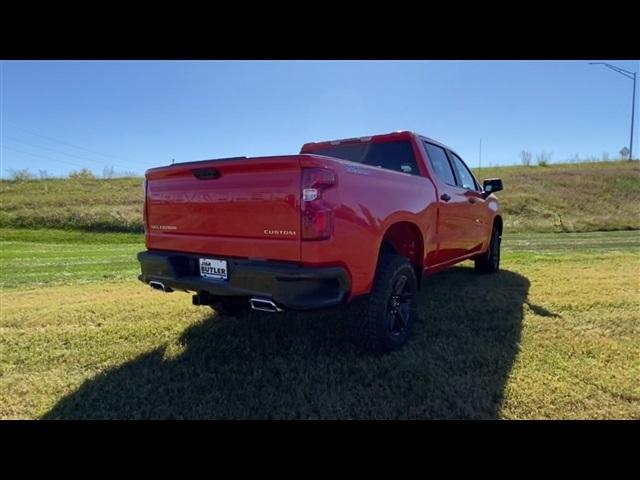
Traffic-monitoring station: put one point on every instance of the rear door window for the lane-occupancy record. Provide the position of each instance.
(395, 155)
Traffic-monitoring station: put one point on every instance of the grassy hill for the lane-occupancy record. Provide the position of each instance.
(113, 205)
(563, 197)
(575, 197)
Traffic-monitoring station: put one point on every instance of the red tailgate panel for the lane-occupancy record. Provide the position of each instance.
(249, 207)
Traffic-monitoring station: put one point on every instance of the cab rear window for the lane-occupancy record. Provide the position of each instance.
(395, 155)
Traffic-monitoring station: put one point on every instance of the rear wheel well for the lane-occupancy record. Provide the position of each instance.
(405, 239)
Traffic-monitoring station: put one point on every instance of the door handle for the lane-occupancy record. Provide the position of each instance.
(445, 197)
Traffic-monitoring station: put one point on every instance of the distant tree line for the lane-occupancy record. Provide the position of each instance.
(24, 174)
(544, 158)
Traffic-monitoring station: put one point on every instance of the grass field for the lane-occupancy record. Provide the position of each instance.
(111, 205)
(577, 197)
(556, 334)
(580, 197)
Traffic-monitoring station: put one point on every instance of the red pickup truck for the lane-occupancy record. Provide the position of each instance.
(357, 220)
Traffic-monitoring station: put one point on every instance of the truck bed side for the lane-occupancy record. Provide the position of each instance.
(368, 202)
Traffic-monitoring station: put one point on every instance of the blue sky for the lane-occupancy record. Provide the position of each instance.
(63, 115)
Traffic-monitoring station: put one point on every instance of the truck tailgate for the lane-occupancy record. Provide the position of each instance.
(244, 207)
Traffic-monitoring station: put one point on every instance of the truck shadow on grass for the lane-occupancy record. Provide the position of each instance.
(301, 366)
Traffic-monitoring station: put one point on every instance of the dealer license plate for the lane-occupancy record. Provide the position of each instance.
(212, 268)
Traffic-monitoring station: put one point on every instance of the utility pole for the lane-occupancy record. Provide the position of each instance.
(632, 76)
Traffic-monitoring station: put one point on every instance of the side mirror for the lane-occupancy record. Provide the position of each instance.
(491, 185)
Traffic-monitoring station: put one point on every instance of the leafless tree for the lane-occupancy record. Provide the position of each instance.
(525, 158)
(83, 173)
(543, 159)
(20, 175)
(108, 172)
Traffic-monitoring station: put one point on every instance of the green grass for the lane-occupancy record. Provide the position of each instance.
(33, 258)
(560, 197)
(554, 335)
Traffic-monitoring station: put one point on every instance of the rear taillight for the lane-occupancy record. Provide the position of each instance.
(144, 205)
(317, 216)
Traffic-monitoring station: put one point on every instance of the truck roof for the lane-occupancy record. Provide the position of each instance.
(310, 147)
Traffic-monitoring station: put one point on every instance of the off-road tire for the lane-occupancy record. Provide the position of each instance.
(489, 262)
(374, 327)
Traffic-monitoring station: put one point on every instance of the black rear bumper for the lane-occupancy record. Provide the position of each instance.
(287, 284)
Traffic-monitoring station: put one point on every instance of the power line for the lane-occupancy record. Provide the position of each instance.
(42, 156)
(63, 153)
(31, 132)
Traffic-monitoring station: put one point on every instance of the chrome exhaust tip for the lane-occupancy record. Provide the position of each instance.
(264, 305)
(159, 286)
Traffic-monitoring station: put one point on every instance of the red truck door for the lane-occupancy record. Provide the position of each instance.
(453, 218)
(475, 212)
